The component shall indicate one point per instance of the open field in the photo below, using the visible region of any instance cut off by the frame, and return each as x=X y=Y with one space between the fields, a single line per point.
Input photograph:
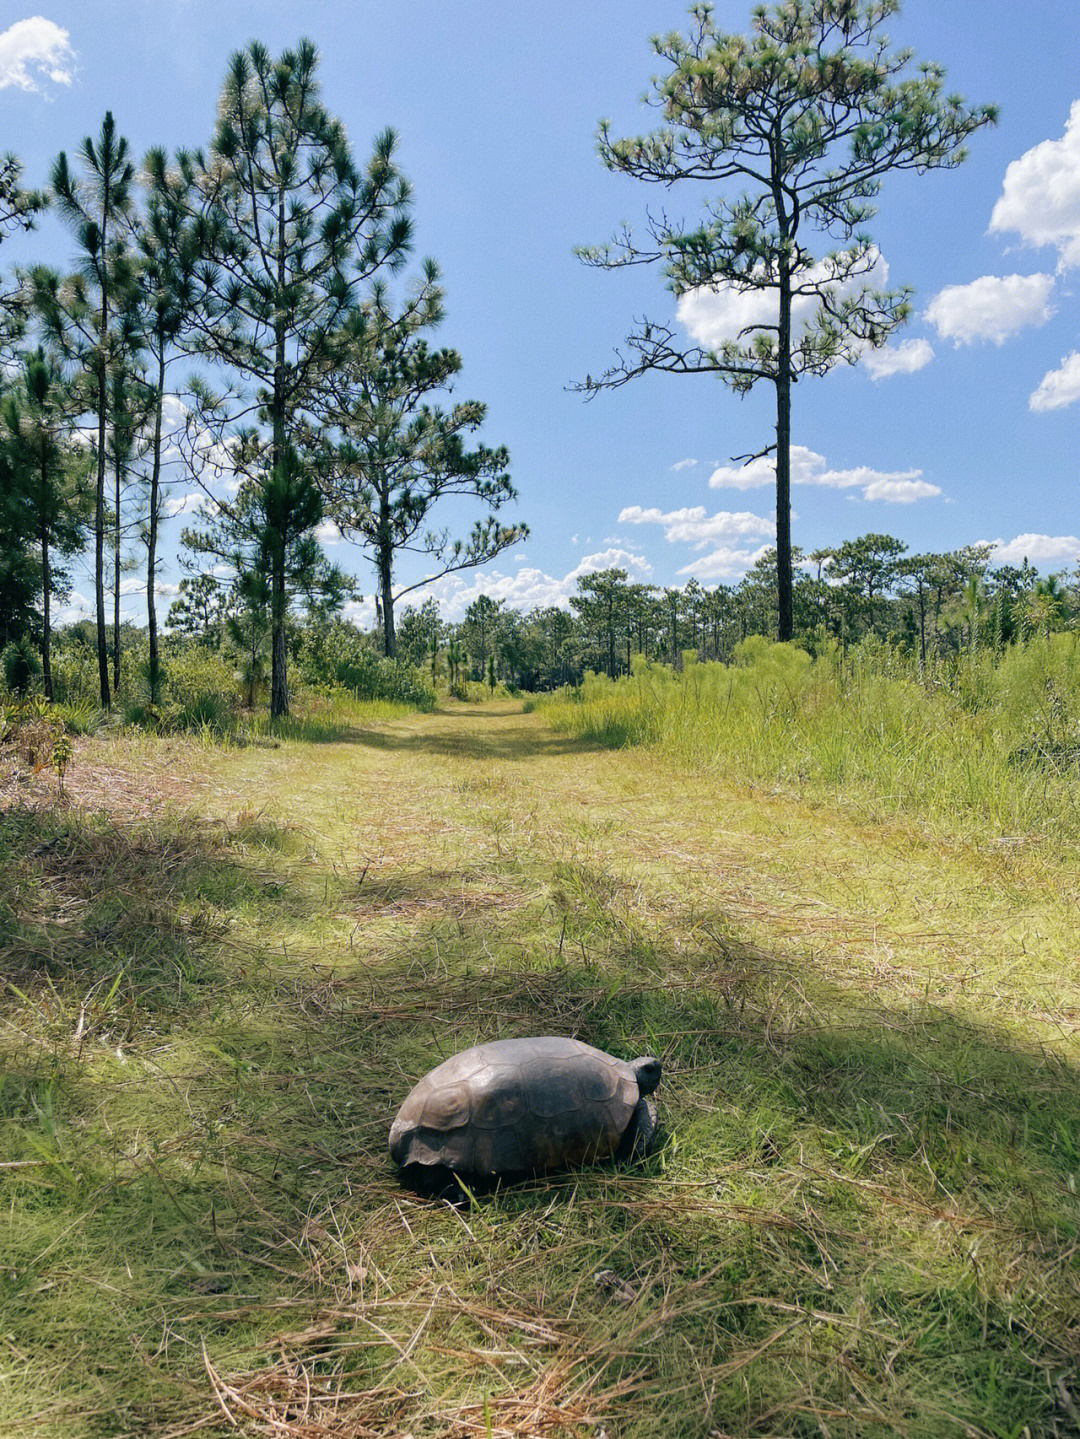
x=224 y=967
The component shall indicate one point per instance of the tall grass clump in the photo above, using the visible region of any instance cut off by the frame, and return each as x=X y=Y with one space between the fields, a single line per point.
x=988 y=747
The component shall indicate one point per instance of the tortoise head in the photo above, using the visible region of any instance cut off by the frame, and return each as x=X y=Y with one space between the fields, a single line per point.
x=647 y=1071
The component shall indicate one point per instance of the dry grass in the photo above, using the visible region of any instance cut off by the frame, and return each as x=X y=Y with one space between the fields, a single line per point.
x=225 y=967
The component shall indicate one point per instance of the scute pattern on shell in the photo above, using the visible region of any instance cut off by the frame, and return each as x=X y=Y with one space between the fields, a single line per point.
x=517 y=1106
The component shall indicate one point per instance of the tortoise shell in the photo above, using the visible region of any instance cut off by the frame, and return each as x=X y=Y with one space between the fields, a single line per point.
x=519 y=1106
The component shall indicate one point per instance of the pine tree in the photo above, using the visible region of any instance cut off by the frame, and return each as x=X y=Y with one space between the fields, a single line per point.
x=797 y=126
x=169 y=254
x=290 y=230
x=79 y=312
x=401 y=455
x=47 y=480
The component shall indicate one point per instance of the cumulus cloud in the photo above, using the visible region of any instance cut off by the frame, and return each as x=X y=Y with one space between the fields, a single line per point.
x=1036 y=549
x=193 y=503
x=1040 y=197
x=725 y=563
x=902 y=359
x=529 y=587
x=1059 y=387
x=898 y=490
x=684 y=465
x=33 y=51
x=327 y=533
x=809 y=468
x=78 y=607
x=712 y=316
x=994 y=307
x=695 y=526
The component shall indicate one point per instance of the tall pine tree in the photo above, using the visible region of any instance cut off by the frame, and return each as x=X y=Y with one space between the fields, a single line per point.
x=289 y=229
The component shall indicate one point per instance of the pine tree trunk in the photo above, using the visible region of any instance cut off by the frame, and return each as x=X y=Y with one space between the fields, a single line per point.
x=279 y=683
x=99 y=510
x=46 y=578
x=154 y=670
x=116 y=564
x=386 y=576
x=785 y=615
x=389 y=633
x=46 y=635
x=279 y=686
x=99 y=558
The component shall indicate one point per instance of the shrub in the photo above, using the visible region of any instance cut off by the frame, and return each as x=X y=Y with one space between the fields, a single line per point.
x=338 y=655
x=199 y=691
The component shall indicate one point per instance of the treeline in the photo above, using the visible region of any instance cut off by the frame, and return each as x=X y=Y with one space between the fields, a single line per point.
x=933 y=606
x=275 y=263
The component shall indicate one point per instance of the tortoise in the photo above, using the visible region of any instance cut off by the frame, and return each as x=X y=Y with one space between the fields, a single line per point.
x=514 y=1107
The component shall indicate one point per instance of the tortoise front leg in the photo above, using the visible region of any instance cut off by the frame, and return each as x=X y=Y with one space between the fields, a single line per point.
x=641 y=1132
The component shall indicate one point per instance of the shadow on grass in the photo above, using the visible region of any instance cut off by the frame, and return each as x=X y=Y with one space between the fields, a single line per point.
x=497 y=736
x=866 y=1216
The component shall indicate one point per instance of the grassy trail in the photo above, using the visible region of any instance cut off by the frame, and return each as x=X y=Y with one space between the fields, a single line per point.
x=864 y=1220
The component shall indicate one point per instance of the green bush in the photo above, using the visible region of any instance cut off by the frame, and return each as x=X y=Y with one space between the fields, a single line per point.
x=337 y=655
x=199 y=692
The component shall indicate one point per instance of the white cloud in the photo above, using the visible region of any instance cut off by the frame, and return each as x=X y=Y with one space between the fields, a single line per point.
x=754 y=476
x=327 y=533
x=1059 y=387
x=78 y=607
x=902 y=359
x=714 y=315
x=809 y=468
x=35 y=50
x=193 y=503
x=994 y=307
x=1040 y=197
x=529 y=587
x=684 y=465
x=696 y=526
x=900 y=491
x=1036 y=549
x=725 y=563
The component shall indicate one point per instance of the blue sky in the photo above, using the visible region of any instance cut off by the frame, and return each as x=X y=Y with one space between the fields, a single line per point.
x=973 y=437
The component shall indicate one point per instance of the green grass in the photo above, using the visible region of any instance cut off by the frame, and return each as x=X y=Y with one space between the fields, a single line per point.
x=985 y=749
x=863 y=1219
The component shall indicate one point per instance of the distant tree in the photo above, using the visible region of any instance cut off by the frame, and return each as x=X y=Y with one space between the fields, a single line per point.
x=169 y=253
x=401 y=455
x=672 y=607
x=198 y=609
x=79 y=312
x=599 y=603
x=130 y=403
x=417 y=630
x=1047 y=606
x=868 y=569
x=554 y=630
x=478 y=631
x=809 y=115
x=916 y=575
x=248 y=628
x=244 y=534
x=47 y=477
x=455 y=659
x=290 y=229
